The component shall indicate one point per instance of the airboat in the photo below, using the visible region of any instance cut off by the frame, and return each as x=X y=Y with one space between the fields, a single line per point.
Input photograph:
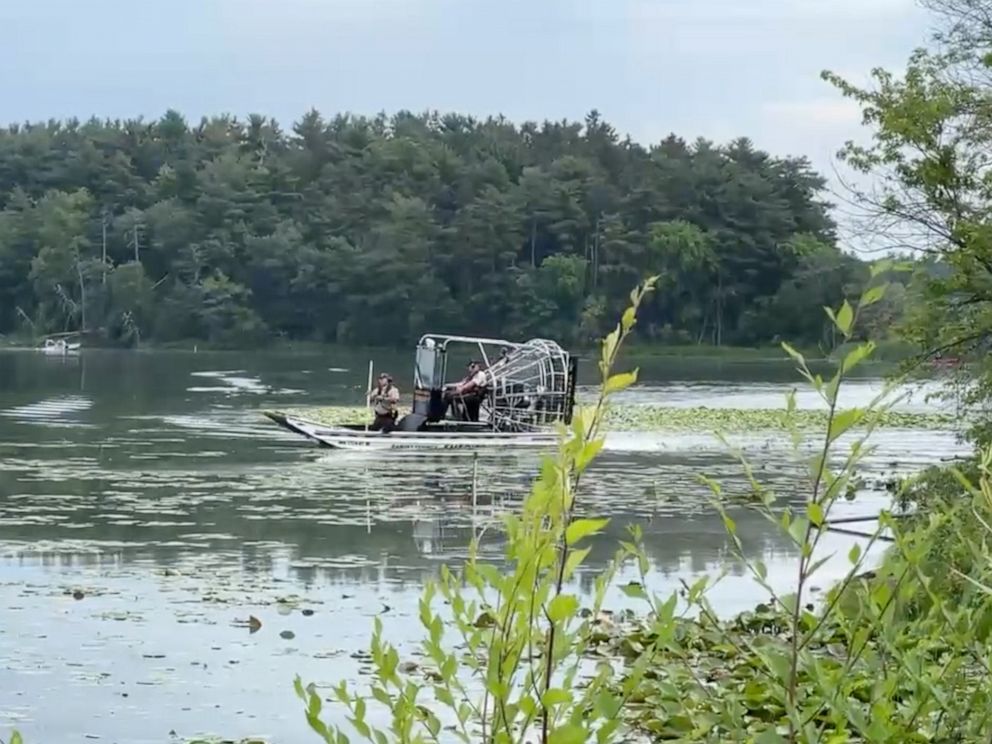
x=530 y=388
x=60 y=346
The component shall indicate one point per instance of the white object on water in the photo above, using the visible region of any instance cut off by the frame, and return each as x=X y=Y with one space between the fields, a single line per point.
x=59 y=346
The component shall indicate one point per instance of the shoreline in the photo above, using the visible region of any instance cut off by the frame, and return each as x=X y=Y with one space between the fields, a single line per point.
x=717 y=354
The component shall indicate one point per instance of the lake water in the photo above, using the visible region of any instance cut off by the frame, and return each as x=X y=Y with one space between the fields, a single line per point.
x=147 y=509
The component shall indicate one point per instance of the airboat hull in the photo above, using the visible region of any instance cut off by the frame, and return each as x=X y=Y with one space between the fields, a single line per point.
x=355 y=438
x=59 y=348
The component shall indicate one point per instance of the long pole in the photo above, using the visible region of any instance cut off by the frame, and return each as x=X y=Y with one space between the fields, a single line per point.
x=103 y=267
x=368 y=396
x=475 y=483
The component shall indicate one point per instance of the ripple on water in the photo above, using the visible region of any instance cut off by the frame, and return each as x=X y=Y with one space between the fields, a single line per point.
x=58 y=411
x=53 y=407
x=236 y=382
x=181 y=517
x=226 y=425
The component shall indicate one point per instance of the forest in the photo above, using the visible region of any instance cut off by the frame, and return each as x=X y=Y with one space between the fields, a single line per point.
x=374 y=230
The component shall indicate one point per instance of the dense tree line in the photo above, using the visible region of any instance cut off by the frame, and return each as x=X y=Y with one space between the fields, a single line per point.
x=375 y=230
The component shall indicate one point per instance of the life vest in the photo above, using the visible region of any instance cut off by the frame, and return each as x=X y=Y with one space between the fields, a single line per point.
x=383 y=406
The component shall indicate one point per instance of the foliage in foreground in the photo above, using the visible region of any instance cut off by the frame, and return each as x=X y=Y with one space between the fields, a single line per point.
x=889 y=656
x=899 y=654
x=513 y=673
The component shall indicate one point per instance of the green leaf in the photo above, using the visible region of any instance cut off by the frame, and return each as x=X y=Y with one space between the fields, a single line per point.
x=313 y=715
x=815 y=512
x=799 y=358
x=797 y=530
x=527 y=705
x=777 y=662
x=563 y=607
x=489 y=573
x=844 y=420
x=854 y=555
x=570 y=733
x=817 y=565
x=444 y=696
x=609 y=347
x=729 y=524
x=873 y=295
x=621 y=381
x=877 y=267
x=628 y=319
x=769 y=736
x=298 y=686
x=635 y=590
x=450 y=667
x=845 y=318
x=607 y=705
x=589 y=452
x=575 y=559
x=857 y=355
x=555 y=696
x=581 y=528
x=15 y=738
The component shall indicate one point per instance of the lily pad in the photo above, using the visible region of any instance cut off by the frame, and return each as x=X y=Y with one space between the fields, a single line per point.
x=649 y=418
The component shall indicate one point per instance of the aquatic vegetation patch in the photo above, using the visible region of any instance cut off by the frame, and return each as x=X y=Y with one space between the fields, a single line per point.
x=696 y=419
x=722 y=680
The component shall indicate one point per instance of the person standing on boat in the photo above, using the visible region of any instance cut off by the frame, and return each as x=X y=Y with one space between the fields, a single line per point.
x=385 y=398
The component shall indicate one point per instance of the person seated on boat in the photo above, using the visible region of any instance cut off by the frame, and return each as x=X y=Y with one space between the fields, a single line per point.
x=504 y=359
x=470 y=391
x=385 y=398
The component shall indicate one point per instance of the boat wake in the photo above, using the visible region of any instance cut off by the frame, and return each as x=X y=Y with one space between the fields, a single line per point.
x=57 y=411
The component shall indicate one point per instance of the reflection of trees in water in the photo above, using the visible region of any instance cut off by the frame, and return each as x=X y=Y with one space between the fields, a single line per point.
x=674 y=545
x=348 y=518
x=695 y=544
x=339 y=521
x=167 y=490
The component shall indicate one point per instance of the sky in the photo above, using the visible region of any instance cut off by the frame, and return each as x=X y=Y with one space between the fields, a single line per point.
x=713 y=68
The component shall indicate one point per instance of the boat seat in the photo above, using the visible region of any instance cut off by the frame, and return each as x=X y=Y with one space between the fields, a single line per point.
x=467 y=408
x=411 y=422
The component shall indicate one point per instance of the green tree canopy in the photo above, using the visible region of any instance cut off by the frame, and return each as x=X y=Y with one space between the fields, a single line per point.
x=930 y=160
x=378 y=229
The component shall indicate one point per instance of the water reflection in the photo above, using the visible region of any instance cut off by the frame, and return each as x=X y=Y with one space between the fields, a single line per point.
x=146 y=508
